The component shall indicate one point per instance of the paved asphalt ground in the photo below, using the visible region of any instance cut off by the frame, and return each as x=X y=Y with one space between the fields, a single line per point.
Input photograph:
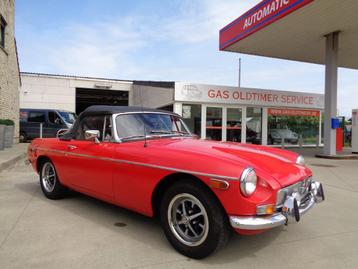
x=81 y=232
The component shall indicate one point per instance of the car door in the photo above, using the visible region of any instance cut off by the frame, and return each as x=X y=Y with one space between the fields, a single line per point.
x=89 y=164
x=53 y=124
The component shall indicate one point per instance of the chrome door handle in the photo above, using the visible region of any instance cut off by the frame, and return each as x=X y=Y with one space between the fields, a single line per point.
x=71 y=147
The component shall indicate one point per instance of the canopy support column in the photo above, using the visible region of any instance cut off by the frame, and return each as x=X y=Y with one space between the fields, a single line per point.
x=330 y=95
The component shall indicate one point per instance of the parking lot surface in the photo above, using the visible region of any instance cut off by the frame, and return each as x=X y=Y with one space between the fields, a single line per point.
x=81 y=232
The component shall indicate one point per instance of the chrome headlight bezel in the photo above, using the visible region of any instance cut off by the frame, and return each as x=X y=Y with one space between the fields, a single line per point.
x=300 y=160
x=248 y=181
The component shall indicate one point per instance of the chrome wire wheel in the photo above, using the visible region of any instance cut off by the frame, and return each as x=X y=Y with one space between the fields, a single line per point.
x=188 y=219
x=48 y=176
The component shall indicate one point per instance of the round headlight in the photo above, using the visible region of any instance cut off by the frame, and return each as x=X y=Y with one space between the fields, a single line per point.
x=248 y=181
x=300 y=160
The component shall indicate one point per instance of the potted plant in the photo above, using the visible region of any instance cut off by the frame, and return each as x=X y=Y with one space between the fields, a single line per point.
x=9 y=132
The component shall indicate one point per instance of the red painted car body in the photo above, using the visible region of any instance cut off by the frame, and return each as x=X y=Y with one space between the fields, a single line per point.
x=128 y=174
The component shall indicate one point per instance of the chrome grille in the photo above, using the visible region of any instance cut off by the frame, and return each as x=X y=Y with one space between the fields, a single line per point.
x=302 y=188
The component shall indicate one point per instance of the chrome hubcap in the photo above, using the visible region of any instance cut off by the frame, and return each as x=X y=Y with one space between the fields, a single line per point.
x=48 y=177
x=188 y=219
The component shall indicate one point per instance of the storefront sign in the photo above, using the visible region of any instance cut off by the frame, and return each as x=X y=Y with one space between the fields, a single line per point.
x=246 y=96
x=293 y=112
x=263 y=14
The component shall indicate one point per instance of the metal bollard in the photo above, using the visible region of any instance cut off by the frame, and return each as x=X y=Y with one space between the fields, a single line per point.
x=317 y=141
x=282 y=142
x=300 y=141
x=41 y=130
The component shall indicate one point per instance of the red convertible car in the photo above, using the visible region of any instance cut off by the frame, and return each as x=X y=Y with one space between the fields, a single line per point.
x=148 y=161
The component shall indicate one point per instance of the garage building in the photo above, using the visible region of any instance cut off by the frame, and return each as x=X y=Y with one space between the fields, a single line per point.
x=217 y=112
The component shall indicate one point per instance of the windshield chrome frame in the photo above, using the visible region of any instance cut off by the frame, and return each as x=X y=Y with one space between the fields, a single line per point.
x=119 y=140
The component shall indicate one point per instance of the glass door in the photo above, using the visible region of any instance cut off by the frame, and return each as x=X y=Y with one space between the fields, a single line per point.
x=214 y=124
x=254 y=125
x=233 y=124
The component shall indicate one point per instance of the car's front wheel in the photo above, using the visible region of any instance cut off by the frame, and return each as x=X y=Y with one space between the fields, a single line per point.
x=49 y=181
x=193 y=221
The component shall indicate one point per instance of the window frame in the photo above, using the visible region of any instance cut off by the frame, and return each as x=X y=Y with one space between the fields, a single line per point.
x=56 y=115
x=116 y=137
x=102 y=130
x=3 y=25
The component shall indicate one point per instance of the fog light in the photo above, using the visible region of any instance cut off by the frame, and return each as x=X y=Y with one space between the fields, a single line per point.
x=265 y=209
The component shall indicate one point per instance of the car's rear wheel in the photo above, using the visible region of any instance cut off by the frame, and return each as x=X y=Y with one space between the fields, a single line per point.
x=50 y=183
x=193 y=221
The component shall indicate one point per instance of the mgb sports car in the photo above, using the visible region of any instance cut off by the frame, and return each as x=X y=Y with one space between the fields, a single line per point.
x=148 y=161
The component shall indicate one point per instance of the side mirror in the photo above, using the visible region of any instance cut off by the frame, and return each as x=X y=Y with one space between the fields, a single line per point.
x=61 y=132
x=92 y=135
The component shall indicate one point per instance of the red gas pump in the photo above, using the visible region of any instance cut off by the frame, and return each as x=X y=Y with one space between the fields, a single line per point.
x=339 y=139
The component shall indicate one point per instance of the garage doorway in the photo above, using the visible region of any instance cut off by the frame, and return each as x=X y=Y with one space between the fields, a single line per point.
x=88 y=97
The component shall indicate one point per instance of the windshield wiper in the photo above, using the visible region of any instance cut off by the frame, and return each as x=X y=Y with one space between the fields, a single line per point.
x=167 y=132
x=160 y=132
x=132 y=137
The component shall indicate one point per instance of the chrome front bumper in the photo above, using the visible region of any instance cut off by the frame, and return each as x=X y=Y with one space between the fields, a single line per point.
x=292 y=211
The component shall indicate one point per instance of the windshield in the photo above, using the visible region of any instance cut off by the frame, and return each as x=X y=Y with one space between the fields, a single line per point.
x=133 y=126
x=68 y=117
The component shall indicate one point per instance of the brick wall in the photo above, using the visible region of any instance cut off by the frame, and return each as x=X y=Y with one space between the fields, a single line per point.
x=9 y=70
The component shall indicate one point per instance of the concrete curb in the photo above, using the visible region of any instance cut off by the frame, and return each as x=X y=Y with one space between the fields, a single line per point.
x=338 y=157
x=8 y=163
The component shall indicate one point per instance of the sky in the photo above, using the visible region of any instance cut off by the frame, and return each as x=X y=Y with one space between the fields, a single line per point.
x=173 y=40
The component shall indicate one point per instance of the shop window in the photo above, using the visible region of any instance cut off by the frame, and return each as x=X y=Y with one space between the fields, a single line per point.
x=292 y=126
x=254 y=125
x=214 y=123
x=192 y=117
x=233 y=124
x=2 y=31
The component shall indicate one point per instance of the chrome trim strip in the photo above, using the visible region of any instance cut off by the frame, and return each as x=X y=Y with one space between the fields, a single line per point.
x=140 y=164
x=257 y=223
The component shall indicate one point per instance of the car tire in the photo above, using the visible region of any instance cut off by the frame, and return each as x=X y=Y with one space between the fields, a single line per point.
x=194 y=237
x=50 y=183
x=23 y=137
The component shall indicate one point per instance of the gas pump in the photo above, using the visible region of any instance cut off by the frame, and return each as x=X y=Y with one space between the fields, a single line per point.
x=355 y=131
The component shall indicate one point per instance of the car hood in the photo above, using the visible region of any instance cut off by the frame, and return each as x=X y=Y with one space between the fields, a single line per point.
x=229 y=159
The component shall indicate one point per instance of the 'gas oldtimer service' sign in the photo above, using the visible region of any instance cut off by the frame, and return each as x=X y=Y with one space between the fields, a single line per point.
x=199 y=93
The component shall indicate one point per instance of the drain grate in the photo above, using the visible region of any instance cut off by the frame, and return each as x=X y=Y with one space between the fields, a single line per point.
x=323 y=165
x=120 y=224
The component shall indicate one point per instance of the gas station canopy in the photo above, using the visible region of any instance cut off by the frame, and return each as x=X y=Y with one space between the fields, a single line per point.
x=295 y=30
x=313 y=31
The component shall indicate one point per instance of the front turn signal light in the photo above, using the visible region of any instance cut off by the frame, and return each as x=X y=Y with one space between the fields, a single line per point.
x=265 y=209
x=218 y=184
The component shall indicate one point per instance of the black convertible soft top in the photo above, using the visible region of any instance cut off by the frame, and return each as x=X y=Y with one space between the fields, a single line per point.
x=109 y=110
